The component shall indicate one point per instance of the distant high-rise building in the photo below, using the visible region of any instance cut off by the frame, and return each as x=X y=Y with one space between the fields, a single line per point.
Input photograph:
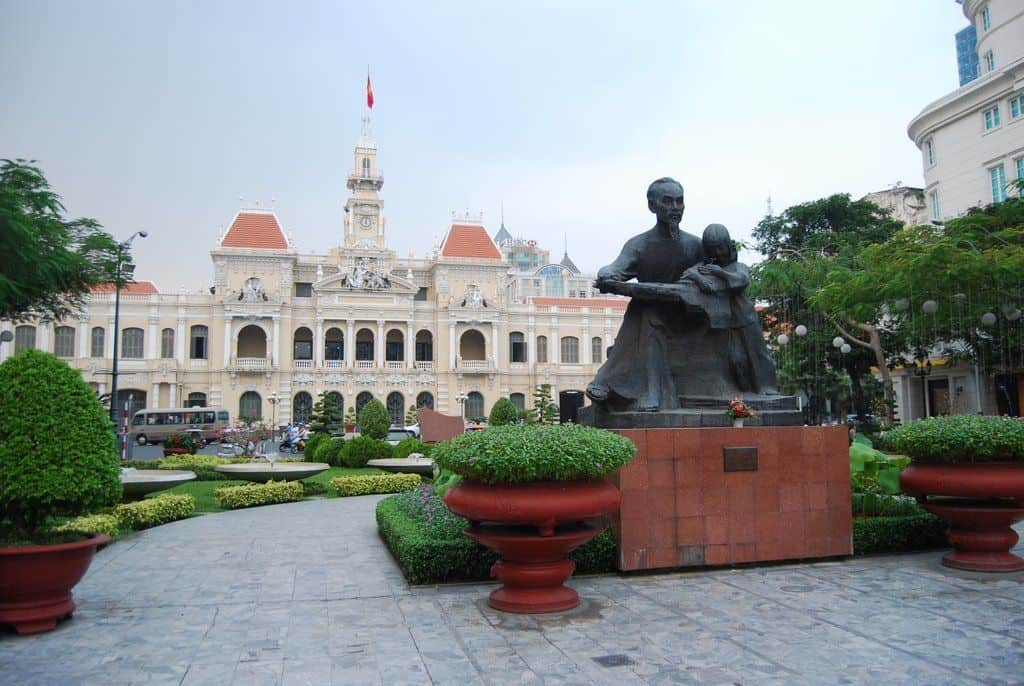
x=967 y=54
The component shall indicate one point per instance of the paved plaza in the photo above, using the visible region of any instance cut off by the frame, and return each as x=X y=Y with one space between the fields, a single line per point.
x=307 y=593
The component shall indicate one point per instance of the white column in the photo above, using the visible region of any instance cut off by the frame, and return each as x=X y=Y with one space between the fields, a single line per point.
x=154 y=399
x=495 y=346
x=172 y=395
x=83 y=339
x=109 y=342
x=6 y=349
x=380 y=343
x=227 y=342
x=44 y=337
x=531 y=352
x=350 y=345
x=276 y=359
x=180 y=341
x=554 y=346
x=152 y=344
x=585 y=354
x=318 y=343
x=451 y=345
x=410 y=346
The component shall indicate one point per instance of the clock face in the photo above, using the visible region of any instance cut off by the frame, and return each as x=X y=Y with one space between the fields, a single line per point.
x=366 y=222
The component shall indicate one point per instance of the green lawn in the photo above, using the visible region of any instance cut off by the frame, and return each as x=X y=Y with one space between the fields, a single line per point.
x=202 y=491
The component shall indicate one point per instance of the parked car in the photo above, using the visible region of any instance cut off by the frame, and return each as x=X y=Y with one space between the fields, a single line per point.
x=395 y=436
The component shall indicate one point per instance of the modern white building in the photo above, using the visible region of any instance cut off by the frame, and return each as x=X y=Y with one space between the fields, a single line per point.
x=972 y=140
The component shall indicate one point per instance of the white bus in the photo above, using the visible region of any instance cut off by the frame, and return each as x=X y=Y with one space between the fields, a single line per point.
x=153 y=426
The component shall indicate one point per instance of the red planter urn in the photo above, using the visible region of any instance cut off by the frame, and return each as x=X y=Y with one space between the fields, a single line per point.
x=980 y=502
x=533 y=526
x=36 y=582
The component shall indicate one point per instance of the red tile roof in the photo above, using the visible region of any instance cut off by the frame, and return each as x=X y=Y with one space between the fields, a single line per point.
x=615 y=303
x=252 y=229
x=133 y=288
x=469 y=240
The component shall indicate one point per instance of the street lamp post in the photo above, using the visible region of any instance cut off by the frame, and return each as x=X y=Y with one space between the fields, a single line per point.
x=273 y=416
x=122 y=249
x=923 y=370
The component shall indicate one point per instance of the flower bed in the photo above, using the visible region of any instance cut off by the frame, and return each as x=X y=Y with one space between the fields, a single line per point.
x=428 y=542
x=383 y=483
x=251 y=495
x=154 y=511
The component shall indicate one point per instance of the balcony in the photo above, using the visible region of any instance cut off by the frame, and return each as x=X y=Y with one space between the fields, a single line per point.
x=394 y=364
x=365 y=364
x=423 y=364
x=334 y=364
x=472 y=365
x=303 y=364
x=198 y=364
x=251 y=364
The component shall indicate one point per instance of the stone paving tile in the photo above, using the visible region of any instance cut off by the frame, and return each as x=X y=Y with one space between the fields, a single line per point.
x=307 y=594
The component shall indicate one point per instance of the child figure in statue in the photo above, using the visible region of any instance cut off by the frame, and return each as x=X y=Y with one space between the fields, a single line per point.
x=723 y=283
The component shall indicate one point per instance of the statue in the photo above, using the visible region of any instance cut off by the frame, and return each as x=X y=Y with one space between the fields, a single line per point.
x=252 y=291
x=690 y=337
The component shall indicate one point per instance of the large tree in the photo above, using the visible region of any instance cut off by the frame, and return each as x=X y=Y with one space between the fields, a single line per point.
x=47 y=261
x=803 y=246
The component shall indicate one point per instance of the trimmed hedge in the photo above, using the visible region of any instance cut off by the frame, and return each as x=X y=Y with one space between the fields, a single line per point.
x=92 y=524
x=362 y=449
x=251 y=495
x=960 y=438
x=408 y=446
x=330 y=451
x=540 y=452
x=381 y=483
x=874 y=504
x=143 y=514
x=313 y=442
x=427 y=541
x=191 y=461
x=898 y=534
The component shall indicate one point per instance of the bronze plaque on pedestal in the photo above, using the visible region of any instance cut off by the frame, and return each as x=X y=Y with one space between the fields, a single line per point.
x=739 y=459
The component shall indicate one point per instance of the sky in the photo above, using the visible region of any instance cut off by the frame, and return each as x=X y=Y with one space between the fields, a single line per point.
x=169 y=117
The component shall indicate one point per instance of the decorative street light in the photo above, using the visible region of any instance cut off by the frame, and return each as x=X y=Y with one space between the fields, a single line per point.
x=922 y=370
x=273 y=415
x=122 y=250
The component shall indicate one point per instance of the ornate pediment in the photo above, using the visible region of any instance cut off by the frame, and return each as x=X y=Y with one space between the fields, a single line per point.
x=367 y=278
x=251 y=295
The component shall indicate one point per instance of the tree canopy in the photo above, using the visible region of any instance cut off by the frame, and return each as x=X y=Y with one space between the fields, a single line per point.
x=47 y=262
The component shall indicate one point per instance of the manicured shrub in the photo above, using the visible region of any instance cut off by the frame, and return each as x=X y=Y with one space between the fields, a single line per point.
x=543 y=452
x=881 y=505
x=408 y=446
x=428 y=542
x=898 y=534
x=251 y=495
x=503 y=413
x=56 y=444
x=191 y=461
x=960 y=438
x=313 y=442
x=162 y=509
x=374 y=420
x=330 y=451
x=186 y=442
x=92 y=524
x=380 y=483
x=313 y=487
x=362 y=449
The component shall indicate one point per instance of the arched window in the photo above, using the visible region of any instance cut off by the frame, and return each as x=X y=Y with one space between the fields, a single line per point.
x=519 y=400
x=302 y=344
x=196 y=400
x=250 y=406
x=302 y=406
x=475 y=406
x=516 y=347
x=252 y=342
x=424 y=346
x=362 y=399
x=334 y=344
x=197 y=347
x=472 y=346
x=24 y=338
x=570 y=350
x=596 y=346
x=64 y=341
x=394 y=346
x=364 y=345
x=167 y=344
x=426 y=400
x=542 y=349
x=396 y=408
x=98 y=341
x=132 y=344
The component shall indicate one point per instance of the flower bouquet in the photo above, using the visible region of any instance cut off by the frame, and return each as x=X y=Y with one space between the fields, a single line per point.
x=738 y=411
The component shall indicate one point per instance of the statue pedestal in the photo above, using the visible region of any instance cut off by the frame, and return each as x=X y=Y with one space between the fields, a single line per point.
x=719 y=496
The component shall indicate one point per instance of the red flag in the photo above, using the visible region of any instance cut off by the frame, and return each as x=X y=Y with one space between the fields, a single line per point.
x=369 y=92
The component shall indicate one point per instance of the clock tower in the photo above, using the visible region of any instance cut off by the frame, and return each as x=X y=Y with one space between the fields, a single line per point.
x=364 y=216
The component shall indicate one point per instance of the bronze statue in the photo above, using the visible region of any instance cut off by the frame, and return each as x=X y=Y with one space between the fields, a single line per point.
x=690 y=337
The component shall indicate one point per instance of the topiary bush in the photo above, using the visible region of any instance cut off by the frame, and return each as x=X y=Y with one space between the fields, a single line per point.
x=408 y=446
x=313 y=441
x=541 y=452
x=379 y=483
x=503 y=413
x=251 y=495
x=374 y=420
x=960 y=438
x=330 y=451
x=154 y=511
x=57 y=452
x=362 y=449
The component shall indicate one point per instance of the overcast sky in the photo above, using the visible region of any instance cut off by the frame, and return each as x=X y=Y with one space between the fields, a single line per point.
x=160 y=115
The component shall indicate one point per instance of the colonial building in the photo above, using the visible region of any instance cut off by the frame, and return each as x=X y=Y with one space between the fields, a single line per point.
x=454 y=331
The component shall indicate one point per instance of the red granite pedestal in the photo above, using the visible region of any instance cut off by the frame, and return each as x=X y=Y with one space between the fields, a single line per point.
x=682 y=508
